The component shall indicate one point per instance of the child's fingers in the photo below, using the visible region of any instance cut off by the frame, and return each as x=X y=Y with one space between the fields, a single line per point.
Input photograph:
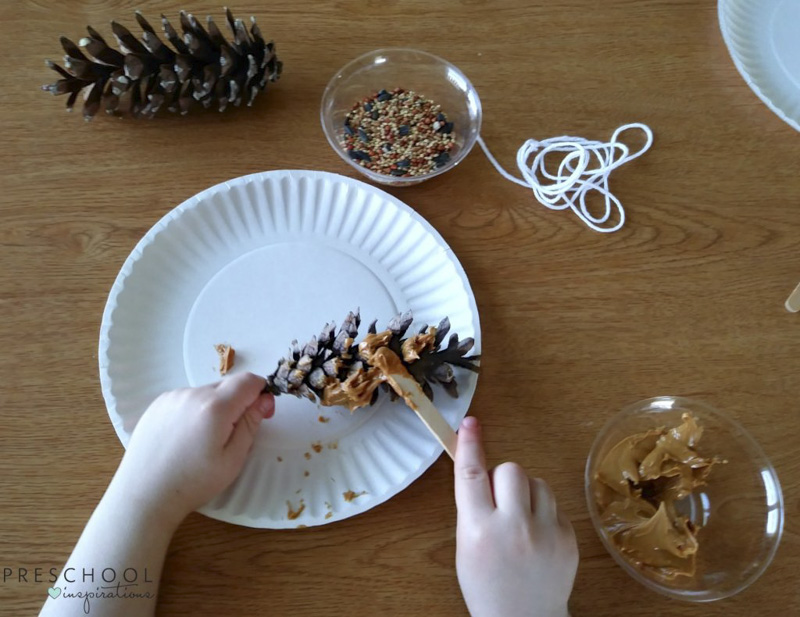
x=564 y=522
x=543 y=502
x=473 y=490
x=512 y=489
x=237 y=393
x=266 y=404
x=245 y=431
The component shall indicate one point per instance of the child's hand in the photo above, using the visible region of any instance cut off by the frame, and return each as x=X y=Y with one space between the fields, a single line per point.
x=190 y=445
x=516 y=554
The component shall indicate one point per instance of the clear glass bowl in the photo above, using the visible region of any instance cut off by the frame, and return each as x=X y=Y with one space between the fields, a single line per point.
x=740 y=511
x=409 y=69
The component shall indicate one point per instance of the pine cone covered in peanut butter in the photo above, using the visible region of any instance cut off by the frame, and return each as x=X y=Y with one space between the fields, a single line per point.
x=332 y=369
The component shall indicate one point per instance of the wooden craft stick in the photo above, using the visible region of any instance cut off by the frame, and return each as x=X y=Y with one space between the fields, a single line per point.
x=407 y=387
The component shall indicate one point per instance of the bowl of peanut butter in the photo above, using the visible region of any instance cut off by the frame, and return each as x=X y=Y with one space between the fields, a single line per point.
x=684 y=499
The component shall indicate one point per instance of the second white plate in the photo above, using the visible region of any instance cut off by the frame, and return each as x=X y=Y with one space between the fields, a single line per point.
x=257 y=262
x=763 y=38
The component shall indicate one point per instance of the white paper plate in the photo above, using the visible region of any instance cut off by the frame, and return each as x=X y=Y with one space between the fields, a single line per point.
x=763 y=37
x=259 y=261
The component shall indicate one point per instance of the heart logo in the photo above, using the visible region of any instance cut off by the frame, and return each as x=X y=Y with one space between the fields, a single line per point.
x=54 y=592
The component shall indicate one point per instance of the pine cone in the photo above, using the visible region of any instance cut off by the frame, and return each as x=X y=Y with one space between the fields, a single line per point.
x=334 y=359
x=146 y=75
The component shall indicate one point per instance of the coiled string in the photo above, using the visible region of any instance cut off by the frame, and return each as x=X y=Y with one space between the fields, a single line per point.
x=575 y=179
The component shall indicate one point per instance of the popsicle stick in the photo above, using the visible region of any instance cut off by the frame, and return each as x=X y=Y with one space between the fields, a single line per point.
x=793 y=301
x=401 y=381
x=408 y=388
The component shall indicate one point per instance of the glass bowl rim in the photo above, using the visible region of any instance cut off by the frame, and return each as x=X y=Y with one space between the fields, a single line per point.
x=594 y=515
x=400 y=180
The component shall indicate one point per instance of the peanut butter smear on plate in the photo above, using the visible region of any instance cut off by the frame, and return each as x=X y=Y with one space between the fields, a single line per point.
x=637 y=485
x=227 y=357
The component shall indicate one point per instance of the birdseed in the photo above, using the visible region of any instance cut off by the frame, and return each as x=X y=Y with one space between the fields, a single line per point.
x=398 y=133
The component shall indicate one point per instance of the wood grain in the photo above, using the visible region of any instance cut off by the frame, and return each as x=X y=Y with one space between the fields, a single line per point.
x=686 y=299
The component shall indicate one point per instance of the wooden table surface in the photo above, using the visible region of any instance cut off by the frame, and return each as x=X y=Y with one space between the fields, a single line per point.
x=686 y=299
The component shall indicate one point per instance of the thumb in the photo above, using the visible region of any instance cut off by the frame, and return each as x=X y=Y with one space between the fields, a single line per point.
x=246 y=428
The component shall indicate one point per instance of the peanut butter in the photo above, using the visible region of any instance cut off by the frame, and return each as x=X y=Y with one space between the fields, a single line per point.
x=357 y=390
x=373 y=342
x=292 y=513
x=388 y=362
x=227 y=356
x=393 y=369
x=413 y=346
x=637 y=485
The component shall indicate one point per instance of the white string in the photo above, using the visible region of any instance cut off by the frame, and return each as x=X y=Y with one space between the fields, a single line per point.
x=575 y=178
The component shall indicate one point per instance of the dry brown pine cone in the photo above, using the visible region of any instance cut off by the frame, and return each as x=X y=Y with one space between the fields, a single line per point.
x=333 y=355
x=146 y=75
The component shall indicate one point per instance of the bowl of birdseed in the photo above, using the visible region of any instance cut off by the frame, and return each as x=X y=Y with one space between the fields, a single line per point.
x=400 y=116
